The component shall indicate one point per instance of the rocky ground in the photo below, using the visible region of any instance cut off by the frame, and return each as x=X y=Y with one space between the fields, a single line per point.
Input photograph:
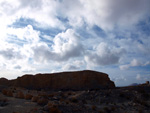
x=118 y=100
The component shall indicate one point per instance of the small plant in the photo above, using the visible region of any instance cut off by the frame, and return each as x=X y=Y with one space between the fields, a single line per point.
x=54 y=109
x=144 y=103
x=9 y=93
x=50 y=104
x=35 y=99
x=62 y=100
x=42 y=101
x=106 y=109
x=44 y=95
x=51 y=95
x=140 y=111
x=84 y=101
x=101 y=111
x=94 y=107
x=74 y=100
x=20 y=95
x=142 y=91
x=146 y=96
x=4 y=92
x=113 y=108
x=69 y=93
x=28 y=96
x=121 y=95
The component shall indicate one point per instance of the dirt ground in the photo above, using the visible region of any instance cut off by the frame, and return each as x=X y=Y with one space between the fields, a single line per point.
x=15 y=105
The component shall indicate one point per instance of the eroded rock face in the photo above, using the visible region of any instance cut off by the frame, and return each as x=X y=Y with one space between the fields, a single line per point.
x=4 y=81
x=78 y=80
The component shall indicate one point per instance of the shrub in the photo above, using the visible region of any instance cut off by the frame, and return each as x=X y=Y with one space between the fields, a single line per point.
x=28 y=96
x=20 y=95
x=121 y=95
x=69 y=93
x=146 y=96
x=140 y=111
x=50 y=104
x=141 y=91
x=113 y=108
x=84 y=101
x=144 y=103
x=4 y=92
x=51 y=95
x=9 y=93
x=93 y=107
x=101 y=111
x=35 y=99
x=54 y=109
x=74 y=100
x=106 y=109
x=42 y=101
x=44 y=95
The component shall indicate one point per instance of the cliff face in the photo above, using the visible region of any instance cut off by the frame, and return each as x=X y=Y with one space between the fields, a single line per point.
x=66 y=80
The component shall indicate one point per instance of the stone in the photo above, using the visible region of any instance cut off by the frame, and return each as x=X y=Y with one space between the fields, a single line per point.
x=78 y=80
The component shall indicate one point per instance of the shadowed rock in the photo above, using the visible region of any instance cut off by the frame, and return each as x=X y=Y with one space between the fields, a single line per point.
x=79 y=80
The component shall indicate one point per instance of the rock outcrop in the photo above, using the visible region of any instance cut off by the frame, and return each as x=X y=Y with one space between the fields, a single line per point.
x=4 y=81
x=79 y=80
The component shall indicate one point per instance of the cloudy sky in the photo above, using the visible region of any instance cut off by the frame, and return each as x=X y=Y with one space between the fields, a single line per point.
x=43 y=36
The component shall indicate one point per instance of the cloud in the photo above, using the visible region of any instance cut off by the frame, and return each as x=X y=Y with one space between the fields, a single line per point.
x=138 y=77
x=26 y=34
x=142 y=78
x=144 y=47
x=70 y=67
x=9 y=54
x=133 y=63
x=104 y=55
x=75 y=65
x=65 y=45
x=107 y=14
x=37 y=10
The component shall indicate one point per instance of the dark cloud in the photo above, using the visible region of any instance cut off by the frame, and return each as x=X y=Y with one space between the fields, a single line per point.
x=10 y=54
x=104 y=55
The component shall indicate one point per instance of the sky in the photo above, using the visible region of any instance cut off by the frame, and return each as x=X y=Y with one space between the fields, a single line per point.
x=46 y=36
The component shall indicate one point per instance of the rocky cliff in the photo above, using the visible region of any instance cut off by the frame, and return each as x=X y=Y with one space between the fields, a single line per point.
x=78 y=80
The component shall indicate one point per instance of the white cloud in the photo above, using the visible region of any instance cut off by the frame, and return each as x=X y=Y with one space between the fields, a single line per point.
x=15 y=50
x=9 y=54
x=44 y=12
x=104 y=13
x=107 y=14
x=72 y=66
x=104 y=55
x=138 y=77
x=133 y=63
x=124 y=67
x=147 y=63
x=25 y=34
x=66 y=45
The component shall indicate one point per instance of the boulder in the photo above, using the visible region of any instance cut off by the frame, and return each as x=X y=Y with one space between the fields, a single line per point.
x=79 y=80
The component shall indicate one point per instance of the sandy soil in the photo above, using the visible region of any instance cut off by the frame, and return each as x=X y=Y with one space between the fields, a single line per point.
x=15 y=105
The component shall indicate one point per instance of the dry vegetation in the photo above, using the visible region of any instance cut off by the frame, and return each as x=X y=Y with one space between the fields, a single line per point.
x=122 y=100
